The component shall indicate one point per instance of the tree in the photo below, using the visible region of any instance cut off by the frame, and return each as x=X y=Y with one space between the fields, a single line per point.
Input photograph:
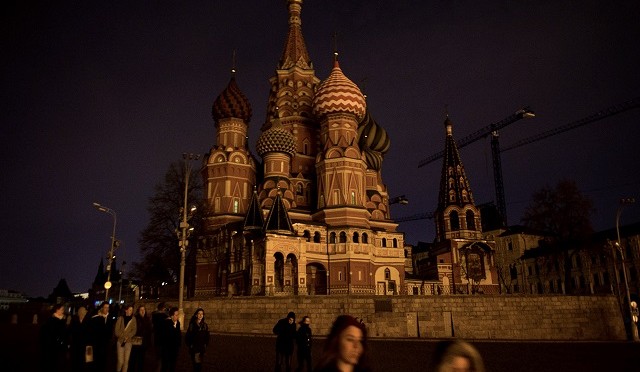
x=565 y=213
x=159 y=241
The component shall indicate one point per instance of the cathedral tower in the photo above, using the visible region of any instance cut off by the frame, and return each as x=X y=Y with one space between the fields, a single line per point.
x=290 y=98
x=340 y=166
x=457 y=215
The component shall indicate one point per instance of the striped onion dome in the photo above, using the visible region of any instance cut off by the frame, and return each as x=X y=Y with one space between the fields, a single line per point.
x=231 y=103
x=276 y=139
x=338 y=94
x=373 y=140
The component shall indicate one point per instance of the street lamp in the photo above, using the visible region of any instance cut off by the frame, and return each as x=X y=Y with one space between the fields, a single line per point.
x=624 y=202
x=185 y=230
x=107 y=284
x=399 y=200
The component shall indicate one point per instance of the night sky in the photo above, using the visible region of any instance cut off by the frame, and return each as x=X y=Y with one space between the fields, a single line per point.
x=99 y=98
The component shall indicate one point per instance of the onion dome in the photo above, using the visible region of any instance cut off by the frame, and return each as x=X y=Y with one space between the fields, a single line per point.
x=373 y=141
x=276 y=139
x=338 y=94
x=231 y=103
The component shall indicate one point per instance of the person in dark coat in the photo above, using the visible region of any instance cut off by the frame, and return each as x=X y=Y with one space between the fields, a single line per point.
x=285 y=329
x=158 y=318
x=303 y=341
x=171 y=340
x=100 y=336
x=197 y=339
x=79 y=334
x=144 y=329
x=54 y=341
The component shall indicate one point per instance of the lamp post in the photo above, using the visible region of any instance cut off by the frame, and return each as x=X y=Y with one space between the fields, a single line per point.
x=624 y=202
x=110 y=211
x=402 y=200
x=185 y=230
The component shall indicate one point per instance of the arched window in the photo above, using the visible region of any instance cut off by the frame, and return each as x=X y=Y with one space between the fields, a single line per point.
x=279 y=270
x=395 y=243
x=452 y=196
x=299 y=189
x=307 y=235
x=454 y=220
x=236 y=205
x=471 y=221
x=316 y=237
x=343 y=237
x=384 y=242
x=356 y=237
x=387 y=274
x=332 y=238
x=365 y=238
x=353 y=197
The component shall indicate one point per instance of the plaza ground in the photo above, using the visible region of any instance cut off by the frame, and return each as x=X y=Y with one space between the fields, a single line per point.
x=19 y=352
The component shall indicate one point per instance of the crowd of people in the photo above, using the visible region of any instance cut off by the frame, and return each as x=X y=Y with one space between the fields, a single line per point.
x=86 y=342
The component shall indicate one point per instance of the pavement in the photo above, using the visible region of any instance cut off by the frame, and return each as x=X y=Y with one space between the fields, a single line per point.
x=247 y=353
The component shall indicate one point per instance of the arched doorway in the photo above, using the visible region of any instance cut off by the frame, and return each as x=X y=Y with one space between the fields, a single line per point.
x=286 y=274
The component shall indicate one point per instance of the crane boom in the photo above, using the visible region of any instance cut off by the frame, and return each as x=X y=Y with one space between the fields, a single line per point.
x=609 y=111
x=481 y=133
x=417 y=216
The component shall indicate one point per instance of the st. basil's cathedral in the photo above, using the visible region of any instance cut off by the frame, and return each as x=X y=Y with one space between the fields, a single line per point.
x=311 y=215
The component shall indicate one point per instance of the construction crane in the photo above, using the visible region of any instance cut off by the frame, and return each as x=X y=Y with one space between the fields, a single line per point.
x=492 y=130
x=609 y=111
x=496 y=151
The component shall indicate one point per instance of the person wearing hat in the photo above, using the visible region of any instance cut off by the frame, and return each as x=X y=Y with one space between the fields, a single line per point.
x=285 y=329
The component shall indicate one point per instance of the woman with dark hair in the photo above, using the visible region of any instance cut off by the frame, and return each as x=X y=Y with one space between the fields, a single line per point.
x=53 y=341
x=345 y=349
x=144 y=328
x=197 y=338
x=79 y=333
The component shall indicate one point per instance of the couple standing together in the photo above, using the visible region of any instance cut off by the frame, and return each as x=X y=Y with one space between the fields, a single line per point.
x=288 y=335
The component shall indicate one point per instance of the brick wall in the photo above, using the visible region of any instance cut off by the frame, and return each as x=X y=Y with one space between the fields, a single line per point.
x=470 y=317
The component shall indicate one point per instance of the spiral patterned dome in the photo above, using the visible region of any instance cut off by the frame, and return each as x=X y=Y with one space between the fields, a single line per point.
x=276 y=139
x=373 y=141
x=338 y=94
x=231 y=103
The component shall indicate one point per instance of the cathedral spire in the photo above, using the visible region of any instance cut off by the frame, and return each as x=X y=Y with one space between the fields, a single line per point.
x=295 y=51
x=454 y=184
x=254 y=219
x=278 y=220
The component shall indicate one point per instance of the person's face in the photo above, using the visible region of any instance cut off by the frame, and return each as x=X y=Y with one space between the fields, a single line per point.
x=350 y=345
x=128 y=311
x=59 y=311
x=460 y=364
x=142 y=311
x=290 y=320
x=200 y=315
x=105 y=309
x=307 y=321
x=175 y=315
